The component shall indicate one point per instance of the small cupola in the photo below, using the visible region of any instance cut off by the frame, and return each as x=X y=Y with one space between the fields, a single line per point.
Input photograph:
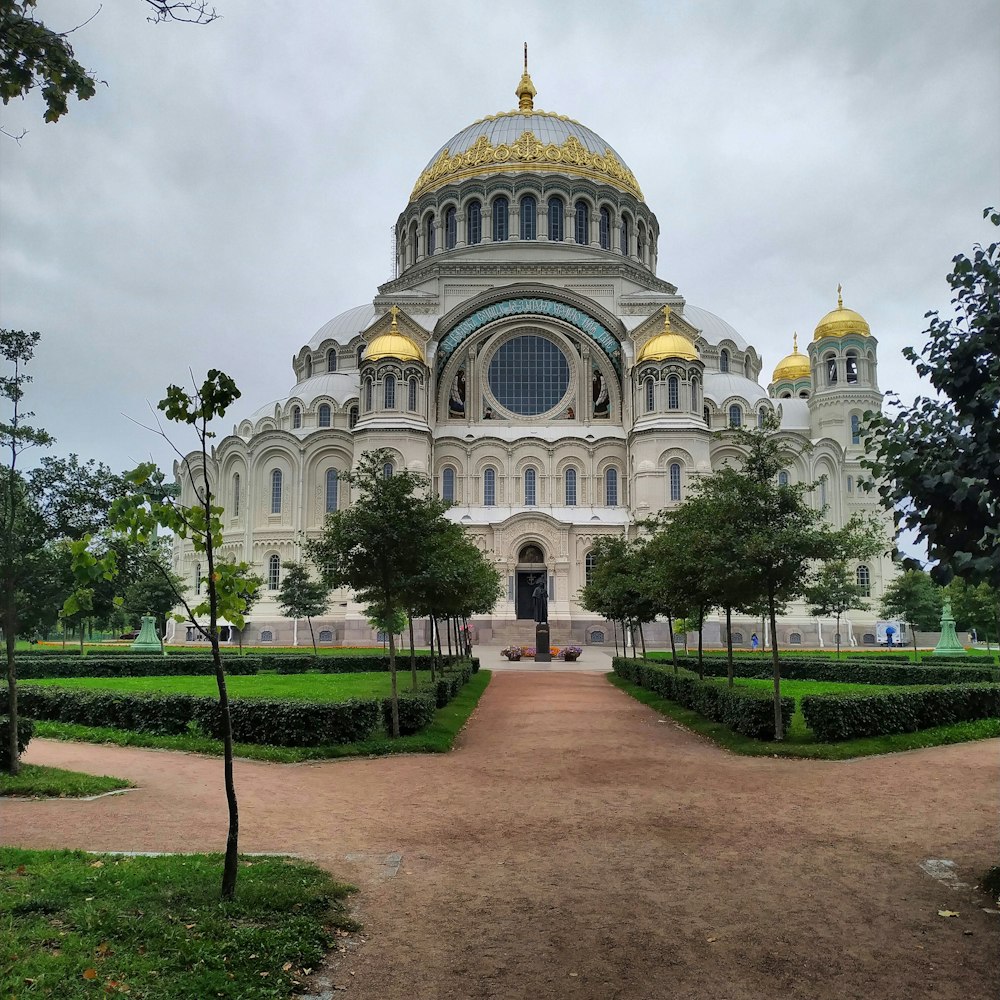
x=393 y=344
x=667 y=344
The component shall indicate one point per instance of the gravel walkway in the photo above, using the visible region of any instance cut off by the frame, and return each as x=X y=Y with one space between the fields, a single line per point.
x=577 y=845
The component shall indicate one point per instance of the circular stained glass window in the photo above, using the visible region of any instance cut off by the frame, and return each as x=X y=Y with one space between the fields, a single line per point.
x=529 y=375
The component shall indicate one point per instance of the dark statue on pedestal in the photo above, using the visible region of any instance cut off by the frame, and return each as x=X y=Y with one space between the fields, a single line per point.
x=540 y=607
x=540 y=601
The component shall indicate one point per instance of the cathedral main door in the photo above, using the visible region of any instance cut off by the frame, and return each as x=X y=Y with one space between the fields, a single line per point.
x=530 y=571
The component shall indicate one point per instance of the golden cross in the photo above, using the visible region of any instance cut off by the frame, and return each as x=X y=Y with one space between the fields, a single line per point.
x=394 y=312
x=666 y=317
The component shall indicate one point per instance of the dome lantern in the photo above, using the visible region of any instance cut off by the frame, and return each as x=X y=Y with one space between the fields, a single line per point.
x=525 y=92
x=793 y=366
x=393 y=344
x=840 y=321
x=667 y=344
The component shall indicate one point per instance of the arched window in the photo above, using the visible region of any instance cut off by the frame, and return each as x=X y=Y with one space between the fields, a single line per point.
x=611 y=487
x=782 y=478
x=530 y=482
x=324 y=415
x=852 y=367
x=474 y=223
x=267 y=635
x=571 y=487
x=723 y=360
x=273 y=572
x=831 y=368
x=581 y=223
x=352 y=417
x=276 y=491
x=368 y=395
x=735 y=415
x=650 y=394
x=325 y=635
x=529 y=218
x=361 y=354
x=501 y=221
x=640 y=242
x=694 y=394
x=555 y=219
x=746 y=367
x=604 y=229
x=236 y=495
x=588 y=568
x=737 y=638
x=296 y=417
x=675 y=481
x=413 y=242
x=489 y=487
x=332 y=488
x=331 y=360
x=624 y=237
x=850 y=484
x=387 y=470
x=855 y=429
x=197 y=578
x=411 y=394
x=761 y=417
x=707 y=415
x=822 y=491
x=795 y=639
x=450 y=228
x=309 y=366
x=448 y=484
x=864 y=578
x=389 y=392
x=430 y=240
x=673 y=393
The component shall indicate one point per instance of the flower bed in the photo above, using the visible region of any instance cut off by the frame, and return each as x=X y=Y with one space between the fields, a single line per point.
x=567 y=653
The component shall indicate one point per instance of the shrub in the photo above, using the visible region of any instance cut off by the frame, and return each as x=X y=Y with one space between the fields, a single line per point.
x=415 y=712
x=512 y=652
x=286 y=722
x=570 y=653
x=124 y=665
x=834 y=717
x=25 y=730
x=744 y=710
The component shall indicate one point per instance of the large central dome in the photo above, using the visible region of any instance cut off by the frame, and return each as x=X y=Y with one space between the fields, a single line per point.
x=525 y=139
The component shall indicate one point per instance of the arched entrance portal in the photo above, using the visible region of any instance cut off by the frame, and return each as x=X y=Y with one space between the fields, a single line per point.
x=530 y=571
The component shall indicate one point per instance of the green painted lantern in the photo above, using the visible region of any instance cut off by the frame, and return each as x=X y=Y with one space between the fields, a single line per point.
x=948 y=644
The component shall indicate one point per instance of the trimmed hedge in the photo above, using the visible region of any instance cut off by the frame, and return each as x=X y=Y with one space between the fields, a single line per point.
x=25 y=730
x=133 y=666
x=834 y=717
x=845 y=671
x=747 y=711
x=300 y=663
x=415 y=712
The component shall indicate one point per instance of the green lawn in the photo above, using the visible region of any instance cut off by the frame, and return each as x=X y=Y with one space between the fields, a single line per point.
x=306 y=687
x=438 y=737
x=52 y=782
x=78 y=925
x=799 y=741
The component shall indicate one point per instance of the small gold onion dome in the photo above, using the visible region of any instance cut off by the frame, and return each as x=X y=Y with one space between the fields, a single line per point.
x=840 y=322
x=793 y=366
x=525 y=92
x=667 y=344
x=393 y=344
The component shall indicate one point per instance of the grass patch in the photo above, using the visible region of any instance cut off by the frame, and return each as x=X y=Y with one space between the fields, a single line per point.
x=799 y=742
x=75 y=925
x=37 y=781
x=438 y=737
x=302 y=687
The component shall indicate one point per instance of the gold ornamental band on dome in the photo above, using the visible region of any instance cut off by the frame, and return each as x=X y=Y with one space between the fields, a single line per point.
x=527 y=152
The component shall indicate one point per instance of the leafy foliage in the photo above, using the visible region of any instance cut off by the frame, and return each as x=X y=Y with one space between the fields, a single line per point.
x=834 y=590
x=301 y=596
x=915 y=598
x=25 y=730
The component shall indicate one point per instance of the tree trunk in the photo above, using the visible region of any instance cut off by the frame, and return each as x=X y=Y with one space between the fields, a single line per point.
x=729 y=645
x=312 y=635
x=673 y=643
x=913 y=636
x=413 y=655
x=614 y=629
x=395 y=694
x=10 y=639
x=448 y=630
x=838 y=635
x=642 y=639
x=701 y=644
x=437 y=632
x=779 y=729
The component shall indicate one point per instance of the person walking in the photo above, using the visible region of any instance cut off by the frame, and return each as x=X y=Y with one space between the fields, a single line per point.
x=754 y=642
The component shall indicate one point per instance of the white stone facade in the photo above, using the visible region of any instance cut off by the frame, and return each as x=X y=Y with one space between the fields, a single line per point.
x=528 y=383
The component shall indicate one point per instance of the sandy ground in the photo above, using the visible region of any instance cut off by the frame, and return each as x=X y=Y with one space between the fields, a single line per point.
x=577 y=845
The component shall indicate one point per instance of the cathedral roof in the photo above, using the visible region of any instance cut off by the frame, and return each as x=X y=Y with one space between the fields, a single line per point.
x=840 y=321
x=793 y=366
x=345 y=326
x=720 y=386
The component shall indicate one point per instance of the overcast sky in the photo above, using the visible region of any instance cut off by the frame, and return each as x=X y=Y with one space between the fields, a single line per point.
x=234 y=186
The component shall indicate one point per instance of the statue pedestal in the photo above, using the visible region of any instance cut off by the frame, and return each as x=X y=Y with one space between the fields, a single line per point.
x=948 y=644
x=542 y=645
x=147 y=641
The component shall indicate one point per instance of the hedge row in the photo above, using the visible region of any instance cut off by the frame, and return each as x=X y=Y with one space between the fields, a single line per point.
x=25 y=730
x=302 y=663
x=132 y=666
x=747 y=711
x=834 y=717
x=846 y=671
x=274 y=721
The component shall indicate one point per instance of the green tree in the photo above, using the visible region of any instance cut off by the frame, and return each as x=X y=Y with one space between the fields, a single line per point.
x=153 y=588
x=937 y=461
x=913 y=597
x=834 y=590
x=302 y=596
x=973 y=607
x=378 y=544
x=153 y=505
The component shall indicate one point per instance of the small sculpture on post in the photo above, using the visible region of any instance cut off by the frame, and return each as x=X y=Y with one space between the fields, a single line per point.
x=540 y=609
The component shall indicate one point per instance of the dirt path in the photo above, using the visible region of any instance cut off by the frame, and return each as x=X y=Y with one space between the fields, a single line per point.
x=576 y=845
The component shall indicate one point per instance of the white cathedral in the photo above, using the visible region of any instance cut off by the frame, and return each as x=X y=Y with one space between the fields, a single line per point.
x=526 y=358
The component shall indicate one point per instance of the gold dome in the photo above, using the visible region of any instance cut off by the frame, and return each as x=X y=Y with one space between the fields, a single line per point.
x=393 y=344
x=840 y=322
x=667 y=344
x=793 y=366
